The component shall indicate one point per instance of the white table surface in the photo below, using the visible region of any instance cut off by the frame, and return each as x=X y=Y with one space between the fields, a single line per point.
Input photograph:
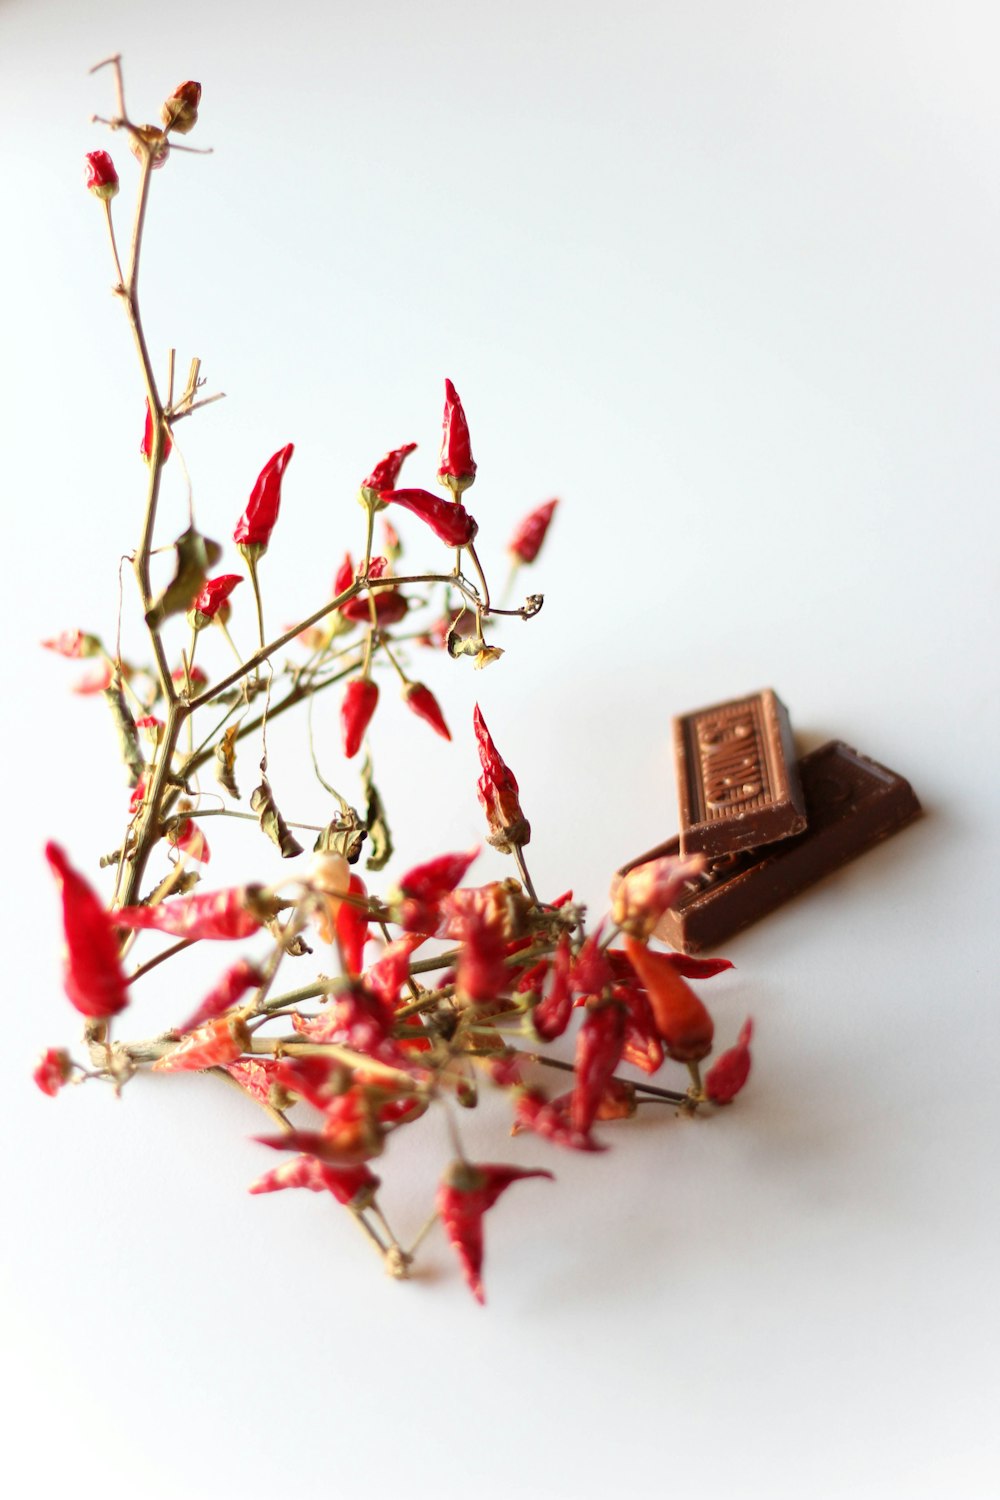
x=722 y=277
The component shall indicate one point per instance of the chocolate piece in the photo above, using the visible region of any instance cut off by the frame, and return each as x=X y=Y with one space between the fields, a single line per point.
x=737 y=781
x=852 y=804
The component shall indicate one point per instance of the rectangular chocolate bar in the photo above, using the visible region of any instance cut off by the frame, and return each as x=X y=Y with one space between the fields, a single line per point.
x=737 y=781
x=852 y=804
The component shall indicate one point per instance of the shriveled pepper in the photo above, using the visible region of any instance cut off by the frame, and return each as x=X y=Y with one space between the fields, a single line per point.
x=92 y=971
x=498 y=793
x=525 y=545
x=463 y=1197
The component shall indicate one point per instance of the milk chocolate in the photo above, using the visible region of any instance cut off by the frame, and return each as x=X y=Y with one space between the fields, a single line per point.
x=738 y=784
x=852 y=803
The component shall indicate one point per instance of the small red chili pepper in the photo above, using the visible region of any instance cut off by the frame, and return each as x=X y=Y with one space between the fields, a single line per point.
x=146 y=446
x=498 y=794
x=598 y=1052
x=731 y=1069
x=390 y=607
x=92 y=971
x=449 y=521
x=189 y=839
x=643 y=894
x=343 y=1150
x=212 y=602
x=354 y=1187
x=52 y=1071
x=482 y=973
x=344 y=576
x=387 y=976
x=102 y=179
x=550 y=1016
x=525 y=545
x=681 y=1019
x=73 y=644
x=192 y=677
x=591 y=968
x=457 y=468
x=220 y=915
x=180 y=110
x=253 y=529
x=421 y=701
x=386 y=471
x=698 y=968
x=643 y=1047
x=619 y=1100
x=218 y=1042
x=96 y=681
x=231 y=988
x=352 y=928
x=255 y=1075
x=359 y=703
x=317 y=1080
x=550 y=1119
x=438 y=877
x=463 y=1197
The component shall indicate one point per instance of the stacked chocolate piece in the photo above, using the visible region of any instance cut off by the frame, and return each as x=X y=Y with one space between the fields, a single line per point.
x=768 y=823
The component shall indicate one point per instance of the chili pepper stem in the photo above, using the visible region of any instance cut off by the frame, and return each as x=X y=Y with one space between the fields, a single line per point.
x=232 y=644
x=159 y=958
x=666 y=1096
x=525 y=877
x=698 y=1094
x=422 y=1233
x=120 y=288
x=471 y=549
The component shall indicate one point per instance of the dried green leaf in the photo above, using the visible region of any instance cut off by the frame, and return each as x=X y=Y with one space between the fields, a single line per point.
x=225 y=756
x=263 y=804
x=128 y=735
x=344 y=836
x=375 y=821
x=197 y=555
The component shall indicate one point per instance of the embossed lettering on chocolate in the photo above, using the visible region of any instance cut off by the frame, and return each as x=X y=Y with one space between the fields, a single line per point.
x=738 y=784
x=852 y=803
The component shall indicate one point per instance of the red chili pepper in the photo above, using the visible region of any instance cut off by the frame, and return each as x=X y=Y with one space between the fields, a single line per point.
x=591 y=968
x=356 y=709
x=482 y=973
x=449 y=521
x=344 y=576
x=253 y=529
x=550 y=1119
x=188 y=838
x=644 y=893
x=526 y=543
x=598 y=1052
x=698 y=968
x=731 y=1069
x=463 y=1197
x=351 y=1134
x=619 y=1100
x=354 y=1187
x=386 y=471
x=643 y=1047
x=218 y=915
x=218 y=1042
x=437 y=877
x=231 y=988
x=681 y=1019
x=390 y=539
x=255 y=1075
x=52 y=1070
x=94 y=682
x=457 y=467
x=551 y=1016
x=102 y=179
x=317 y=1080
x=498 y=794
x=180 y=110
x=390 y=608
x=73 y=644
x=92 y=971
x=421 y=701
x=146 y=446
x=192 y=677
x=213 y=598
x=352 y=929
x=387 y=976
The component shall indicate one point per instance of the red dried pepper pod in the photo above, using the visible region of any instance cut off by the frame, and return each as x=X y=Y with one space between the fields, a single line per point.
x=220 y=915
x=591 y=968
x=550 y=1016
x=681 y=1019
x=641 y=896
x=231 y=988
x=354 y=1187
x=187 y=837
x=643 y=1047
x=52 y=1071
x=218 y=1042
x=526 y=543
x=390 y=607
x=598 y=1052
x=437 y=878
x=179 y=111
x=482 y=972
x=421 y=701
x=253 y=529
x=450 y=522
x=457 y=467
x=731 y=1069
x=212 y=602
x=255 y=1075
x=498 y=794
x=344 y=576
x=357 y=706
x=146 y=446
x=96 y=681
x=92 y=972
x=387 y=976
x=102 y=179
x=189 y=679
x=352 y=928
x=73 y=644
x=385 y=474
x=550 y=1119
x=463 y=1197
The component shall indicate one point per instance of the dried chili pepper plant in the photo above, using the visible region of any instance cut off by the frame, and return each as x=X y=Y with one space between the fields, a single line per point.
x=440 y=986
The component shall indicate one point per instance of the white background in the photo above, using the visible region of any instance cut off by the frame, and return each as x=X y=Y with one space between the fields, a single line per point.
x=722 y=277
